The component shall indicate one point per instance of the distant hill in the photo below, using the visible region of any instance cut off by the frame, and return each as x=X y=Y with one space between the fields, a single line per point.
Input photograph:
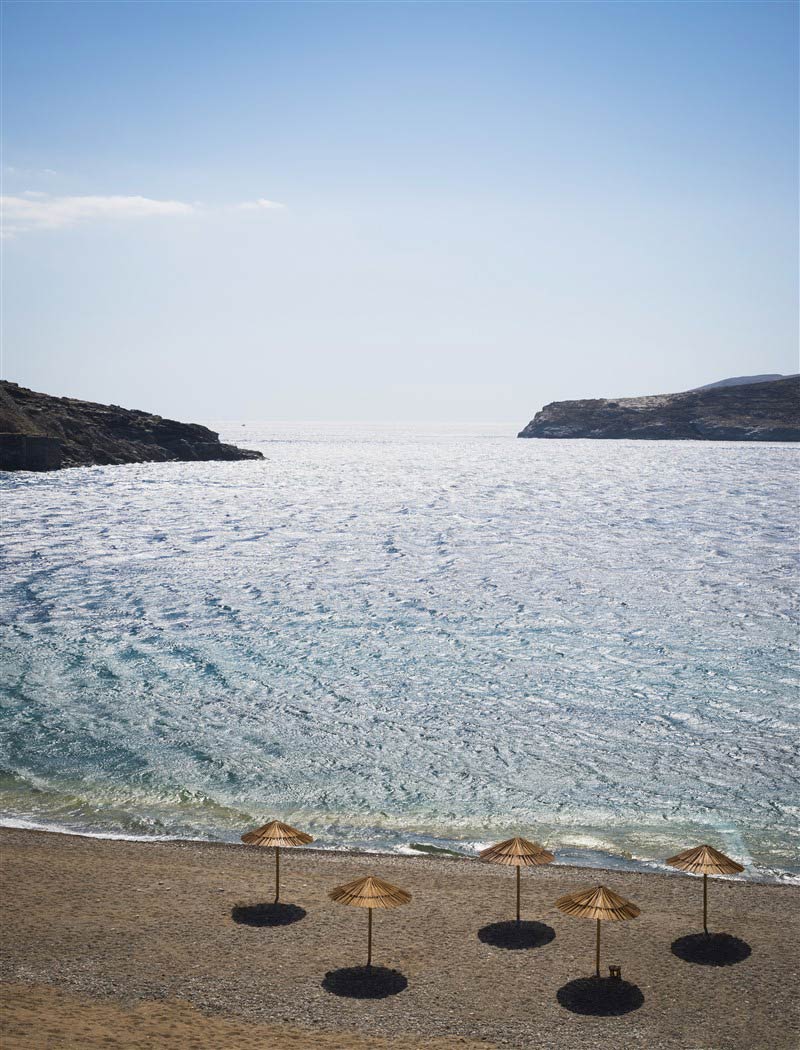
x=43 y=432
x=742 y=381
x=730 y=411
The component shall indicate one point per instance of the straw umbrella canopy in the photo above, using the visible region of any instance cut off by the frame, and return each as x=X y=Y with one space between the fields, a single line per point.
x=521 y=853
x=370 y=892
x=705 y=861
x=599 y=903
x=276 y=834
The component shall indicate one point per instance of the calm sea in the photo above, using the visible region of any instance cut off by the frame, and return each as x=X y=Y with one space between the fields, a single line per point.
x=393 y=635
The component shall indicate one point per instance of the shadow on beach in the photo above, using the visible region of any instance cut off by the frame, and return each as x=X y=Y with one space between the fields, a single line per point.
x=711 y=949
x=365 y=982
x=514 y=935
x=267 y=914
x=600 y=996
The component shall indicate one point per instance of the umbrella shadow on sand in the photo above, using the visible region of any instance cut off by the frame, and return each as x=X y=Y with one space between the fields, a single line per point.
x=273 y=914
x=600 y=996
x=516 y=935
x=712 y=949
x=365 y=982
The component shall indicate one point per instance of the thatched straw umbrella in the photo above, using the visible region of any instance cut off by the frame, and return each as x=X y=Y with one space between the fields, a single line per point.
x=277 y=834
x=705 y=861
x=518 y=852
x=370 y=892
x=598 y=903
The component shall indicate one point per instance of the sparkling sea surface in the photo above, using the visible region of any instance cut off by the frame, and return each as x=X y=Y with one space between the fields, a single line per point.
x=411 y=634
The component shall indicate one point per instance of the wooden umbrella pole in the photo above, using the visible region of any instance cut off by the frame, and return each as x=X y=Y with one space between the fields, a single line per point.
x=277 y=873
x=597 y=952
x=518 y=870
x=705 y=903
x=369 y=937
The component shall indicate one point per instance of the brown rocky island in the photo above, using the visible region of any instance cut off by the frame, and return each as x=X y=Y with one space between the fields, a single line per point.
x=733 y=410
x=42 y=432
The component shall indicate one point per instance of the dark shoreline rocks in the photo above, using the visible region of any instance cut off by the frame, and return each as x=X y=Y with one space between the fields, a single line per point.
x=43 y=432
x=767 y=411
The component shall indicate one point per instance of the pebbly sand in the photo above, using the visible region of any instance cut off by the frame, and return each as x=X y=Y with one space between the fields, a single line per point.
x=122 y=944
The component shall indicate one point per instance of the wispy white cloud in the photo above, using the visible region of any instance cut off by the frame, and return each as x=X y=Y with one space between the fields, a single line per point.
x=9 y=169
x=41 y=211
x=261 y=204
x=34 y=210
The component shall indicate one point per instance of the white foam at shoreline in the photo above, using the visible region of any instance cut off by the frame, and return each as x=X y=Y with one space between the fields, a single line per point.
x=84 y=833
x=596 y=862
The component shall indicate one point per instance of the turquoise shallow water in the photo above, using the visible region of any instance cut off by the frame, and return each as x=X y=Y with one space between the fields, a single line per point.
x=411 y=634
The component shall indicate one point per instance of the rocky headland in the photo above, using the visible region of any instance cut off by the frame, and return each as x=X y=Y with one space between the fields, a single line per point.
x=43 y=432
x=733 y=411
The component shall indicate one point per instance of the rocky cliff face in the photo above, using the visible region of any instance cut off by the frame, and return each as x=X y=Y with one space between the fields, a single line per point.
x=41 y=432
x=748 y=412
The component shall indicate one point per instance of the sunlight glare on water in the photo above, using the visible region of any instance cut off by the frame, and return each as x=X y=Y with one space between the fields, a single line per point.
x=397 y=634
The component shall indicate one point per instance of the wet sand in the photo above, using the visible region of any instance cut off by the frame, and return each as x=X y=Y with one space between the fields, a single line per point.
x=121 y=944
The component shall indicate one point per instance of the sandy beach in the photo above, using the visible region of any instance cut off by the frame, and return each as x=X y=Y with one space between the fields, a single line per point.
x=126 y=944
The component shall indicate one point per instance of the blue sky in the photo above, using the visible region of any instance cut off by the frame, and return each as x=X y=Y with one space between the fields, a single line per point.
x=430 y=211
